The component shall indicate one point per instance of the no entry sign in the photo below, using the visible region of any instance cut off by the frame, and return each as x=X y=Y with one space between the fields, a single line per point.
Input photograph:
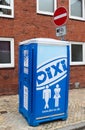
x=60 y=16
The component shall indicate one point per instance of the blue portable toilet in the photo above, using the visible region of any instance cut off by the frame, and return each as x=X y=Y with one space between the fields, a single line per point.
x=43 y=80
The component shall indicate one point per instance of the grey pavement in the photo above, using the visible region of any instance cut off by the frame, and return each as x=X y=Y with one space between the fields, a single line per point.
x=11 y=119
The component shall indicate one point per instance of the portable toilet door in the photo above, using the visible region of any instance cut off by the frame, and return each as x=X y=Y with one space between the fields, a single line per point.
x=44 y=80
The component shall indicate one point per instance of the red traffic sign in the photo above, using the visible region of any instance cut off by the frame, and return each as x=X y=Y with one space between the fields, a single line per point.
x=60 y=16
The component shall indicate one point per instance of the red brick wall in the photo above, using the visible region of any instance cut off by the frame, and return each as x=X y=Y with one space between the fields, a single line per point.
x=28 y=24
x=77 y=74
x=75 y=32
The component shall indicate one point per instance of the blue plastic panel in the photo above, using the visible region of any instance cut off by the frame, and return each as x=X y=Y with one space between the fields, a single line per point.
x=51 y=81
x=25 y=80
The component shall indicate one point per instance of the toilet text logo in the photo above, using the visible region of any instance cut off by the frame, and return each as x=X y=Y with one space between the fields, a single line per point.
x=51 y=72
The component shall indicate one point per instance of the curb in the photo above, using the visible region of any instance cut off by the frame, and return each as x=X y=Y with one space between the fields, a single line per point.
x=78 y=126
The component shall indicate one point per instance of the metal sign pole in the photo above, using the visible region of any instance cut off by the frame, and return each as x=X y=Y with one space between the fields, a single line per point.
x=62 y=38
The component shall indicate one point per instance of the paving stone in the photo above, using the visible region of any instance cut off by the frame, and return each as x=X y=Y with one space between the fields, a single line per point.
x=11 y=119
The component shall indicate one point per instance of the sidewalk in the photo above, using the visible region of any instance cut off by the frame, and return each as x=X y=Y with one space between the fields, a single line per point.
x=10 y=119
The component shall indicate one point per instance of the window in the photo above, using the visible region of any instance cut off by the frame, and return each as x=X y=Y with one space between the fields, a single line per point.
x=77 y=56
x=46 y=7
x=6 y=52
x=7 y=8
x=77 y=9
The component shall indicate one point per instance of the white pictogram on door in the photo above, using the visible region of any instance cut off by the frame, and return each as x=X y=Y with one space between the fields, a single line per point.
x=46 y=96
x=57 y=95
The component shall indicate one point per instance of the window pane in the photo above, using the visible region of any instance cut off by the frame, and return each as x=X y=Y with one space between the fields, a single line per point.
x=5 y=52
x=46 y=5
x=76 y=53
x=5 y=2
x=7 y=8
x=5 y=11
x=76 y=8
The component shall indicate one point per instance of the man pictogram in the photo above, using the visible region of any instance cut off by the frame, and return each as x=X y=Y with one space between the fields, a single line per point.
x=46 y=96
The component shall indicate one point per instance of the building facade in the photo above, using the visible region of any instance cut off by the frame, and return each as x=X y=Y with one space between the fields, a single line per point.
x=22 y=19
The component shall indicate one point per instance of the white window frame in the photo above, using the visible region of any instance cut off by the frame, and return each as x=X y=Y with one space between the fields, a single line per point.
x=11 y=7
x=9 y=65
x=79 y=62
x=45 y=12
x=76 y=17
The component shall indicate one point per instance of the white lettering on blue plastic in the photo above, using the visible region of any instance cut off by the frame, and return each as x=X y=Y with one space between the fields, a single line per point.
x=51 y=72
